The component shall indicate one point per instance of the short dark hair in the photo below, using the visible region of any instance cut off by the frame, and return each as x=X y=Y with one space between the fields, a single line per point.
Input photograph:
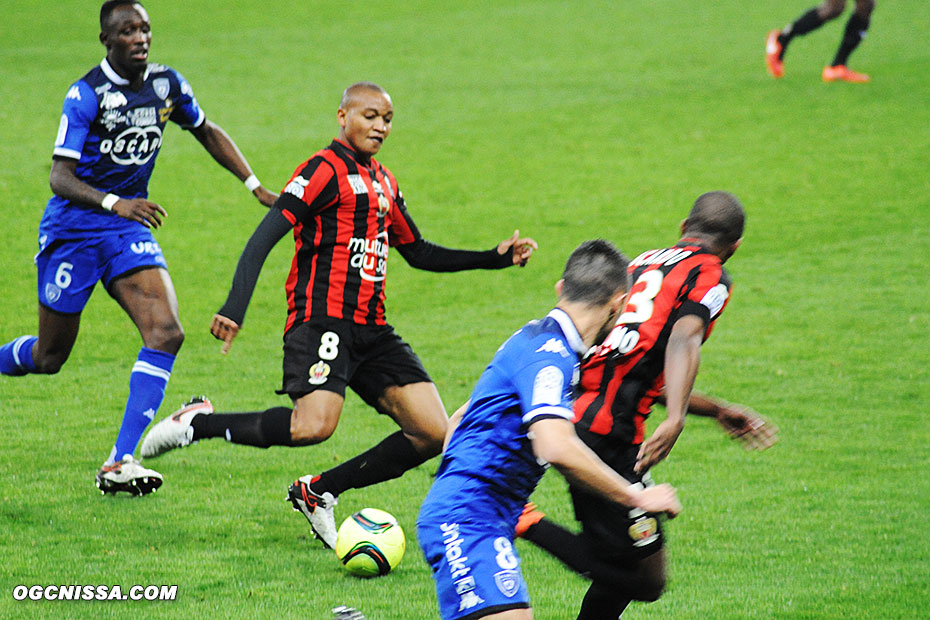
x=109 y=6
x=717 y=215
x=595 y=272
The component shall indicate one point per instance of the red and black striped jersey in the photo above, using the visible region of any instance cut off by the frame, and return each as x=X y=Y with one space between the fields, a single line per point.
x=345 y=216
x=621 y=378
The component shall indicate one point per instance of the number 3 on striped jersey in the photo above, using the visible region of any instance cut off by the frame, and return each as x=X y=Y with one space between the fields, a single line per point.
x=641 y=302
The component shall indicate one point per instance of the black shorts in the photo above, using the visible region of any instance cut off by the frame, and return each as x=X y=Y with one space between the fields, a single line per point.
x=329 y=354
x=614 y=531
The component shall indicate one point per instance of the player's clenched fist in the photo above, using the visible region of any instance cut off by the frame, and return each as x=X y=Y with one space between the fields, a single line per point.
x=660 y=498
x=224 y=329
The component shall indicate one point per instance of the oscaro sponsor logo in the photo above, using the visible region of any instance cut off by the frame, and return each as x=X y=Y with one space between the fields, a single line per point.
x=136 y=145
x=369 y=256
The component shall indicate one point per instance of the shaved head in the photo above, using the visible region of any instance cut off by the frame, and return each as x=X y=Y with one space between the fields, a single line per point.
x=718 y=217
x=364 y=115
x=352 y=92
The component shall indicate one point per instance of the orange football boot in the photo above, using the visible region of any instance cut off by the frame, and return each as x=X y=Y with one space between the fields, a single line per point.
x=841 y=73
x=773 y=55
x=528 y=518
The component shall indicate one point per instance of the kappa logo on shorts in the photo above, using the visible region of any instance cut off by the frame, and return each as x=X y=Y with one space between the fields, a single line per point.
x=644 y=531
x=508 y=582
x=319 y=372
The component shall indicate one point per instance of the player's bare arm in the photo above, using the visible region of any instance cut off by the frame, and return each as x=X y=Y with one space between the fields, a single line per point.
x=555 y=441
x=739 y=421
x=682 y=359
x=454 y=420
x=65 y=183
x=221 y=146
x=523 y=248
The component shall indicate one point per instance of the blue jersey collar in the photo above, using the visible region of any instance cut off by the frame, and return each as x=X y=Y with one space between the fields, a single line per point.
x=115 y=77
x=568 y=328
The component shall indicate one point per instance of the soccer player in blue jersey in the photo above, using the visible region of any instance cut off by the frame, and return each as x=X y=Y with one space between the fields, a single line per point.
x=518 y=420
x=97 y=226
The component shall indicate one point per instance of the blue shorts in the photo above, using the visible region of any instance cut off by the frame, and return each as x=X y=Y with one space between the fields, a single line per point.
x=70 y=268
x=475 y=567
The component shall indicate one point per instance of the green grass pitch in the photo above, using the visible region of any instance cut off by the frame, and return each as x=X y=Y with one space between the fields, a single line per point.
x=569 y=120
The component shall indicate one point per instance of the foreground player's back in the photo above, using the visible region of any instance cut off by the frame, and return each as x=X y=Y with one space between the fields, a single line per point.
x=490 y=457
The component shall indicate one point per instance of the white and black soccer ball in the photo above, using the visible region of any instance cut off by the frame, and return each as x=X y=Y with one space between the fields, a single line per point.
x=370 y=543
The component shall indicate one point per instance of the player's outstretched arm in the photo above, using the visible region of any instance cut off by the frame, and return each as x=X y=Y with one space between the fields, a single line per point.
x=555 y=441
x=65 y=183
x=227 y=322
x=221 y=146
x=682 y=359
x=739 y=421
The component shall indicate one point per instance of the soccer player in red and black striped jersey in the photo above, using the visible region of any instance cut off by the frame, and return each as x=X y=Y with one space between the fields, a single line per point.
x=346 y=211
x=651 y=354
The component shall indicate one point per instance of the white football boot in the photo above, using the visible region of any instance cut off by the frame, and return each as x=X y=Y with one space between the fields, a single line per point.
x=129 y=476
x=317 y=508
x=175 y=431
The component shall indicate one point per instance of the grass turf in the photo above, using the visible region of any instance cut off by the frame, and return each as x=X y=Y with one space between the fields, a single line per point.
x=569 y=121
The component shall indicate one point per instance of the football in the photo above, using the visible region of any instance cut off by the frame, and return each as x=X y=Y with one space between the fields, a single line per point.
x=370 y=543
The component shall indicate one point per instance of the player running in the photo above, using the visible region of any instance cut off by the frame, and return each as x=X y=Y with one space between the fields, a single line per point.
x=776 y=44
x=518 y=419
x=97 y=225
x=652 y=352
x=346 y=211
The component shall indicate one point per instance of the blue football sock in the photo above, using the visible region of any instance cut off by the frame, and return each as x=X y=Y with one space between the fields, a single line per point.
x=16 y=357
x=147 y=384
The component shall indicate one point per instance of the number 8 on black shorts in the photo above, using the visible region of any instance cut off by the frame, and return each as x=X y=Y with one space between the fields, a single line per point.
x=330 y=354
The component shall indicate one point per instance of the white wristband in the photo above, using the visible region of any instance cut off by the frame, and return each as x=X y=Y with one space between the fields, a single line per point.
x=108 y=201
x=252 y=182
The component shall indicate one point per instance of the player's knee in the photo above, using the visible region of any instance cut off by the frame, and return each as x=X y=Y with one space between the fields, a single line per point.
x=832 y=9
x=651 y=590
x=864 y=8
x=49 y=364
x=427 y=446
x=306 y=430
x=651 y=584
x=167 y=337
x=428 y=438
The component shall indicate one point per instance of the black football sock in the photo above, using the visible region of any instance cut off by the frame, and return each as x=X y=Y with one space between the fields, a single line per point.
x=261 y=429
x=856 y=28
x=602 y=602
x=577 y=553
x=387 y=460
x=802 y=25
